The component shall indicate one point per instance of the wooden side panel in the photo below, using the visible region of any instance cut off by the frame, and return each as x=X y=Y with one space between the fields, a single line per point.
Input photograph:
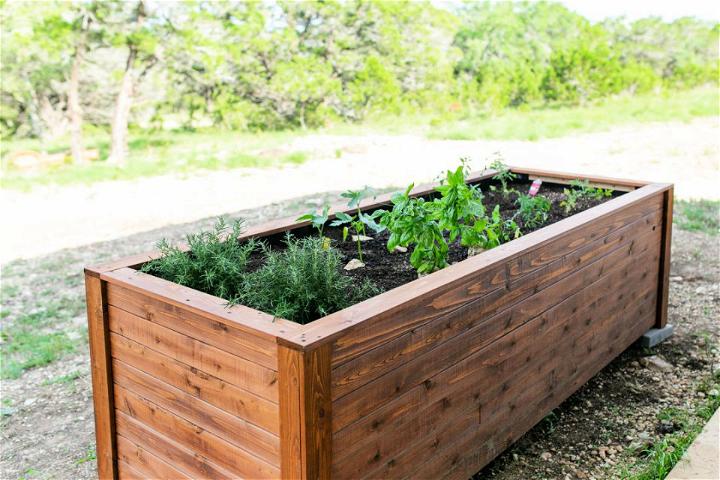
x=306 y=413
x=193 y=395
x=664 y=283
x=101 y=370
x=458 y=389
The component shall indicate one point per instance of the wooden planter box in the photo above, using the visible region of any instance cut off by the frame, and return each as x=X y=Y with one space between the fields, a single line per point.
x=432 y=379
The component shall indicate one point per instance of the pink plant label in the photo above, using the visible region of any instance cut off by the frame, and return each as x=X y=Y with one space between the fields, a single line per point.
x=535 y=187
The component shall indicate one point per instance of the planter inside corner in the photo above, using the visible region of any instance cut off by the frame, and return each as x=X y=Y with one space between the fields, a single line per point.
x=431 y=379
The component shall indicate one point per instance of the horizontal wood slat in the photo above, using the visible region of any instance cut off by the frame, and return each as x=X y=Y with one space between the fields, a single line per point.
x=237 y=462
x=144 y=463
x=484 y=377
x=225 y=396
x=360 y=402
x=208 y=330
x=235 y=370
x=235 y=430
x=364 y=368
x=183 y=300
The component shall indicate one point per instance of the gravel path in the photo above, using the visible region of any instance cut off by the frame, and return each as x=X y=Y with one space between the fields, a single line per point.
x=50 y=218
x=46 y=430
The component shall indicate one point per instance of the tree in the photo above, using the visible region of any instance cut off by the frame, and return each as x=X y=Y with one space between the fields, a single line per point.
x=142 y=43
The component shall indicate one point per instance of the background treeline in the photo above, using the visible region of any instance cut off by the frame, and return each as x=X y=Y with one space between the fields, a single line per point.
x=70 y=67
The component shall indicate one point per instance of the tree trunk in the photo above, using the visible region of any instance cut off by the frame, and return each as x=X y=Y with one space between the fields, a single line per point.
x=119 y=126
x=74 y=109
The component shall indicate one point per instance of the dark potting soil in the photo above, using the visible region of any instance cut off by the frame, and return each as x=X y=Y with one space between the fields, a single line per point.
x=389 y=270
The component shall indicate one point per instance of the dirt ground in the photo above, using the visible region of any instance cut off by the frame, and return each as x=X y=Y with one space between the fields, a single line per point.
x=46 y=430
x=47 y=219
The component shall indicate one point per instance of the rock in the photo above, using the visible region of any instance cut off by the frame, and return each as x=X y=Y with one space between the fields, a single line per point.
x=354 y=264
x=546 y=456
x=701 y=394
x=655 y=362
x=713 y=393
x=29 y=401
x=472 y=251
x=634 y=364
x=516 y=457
x=400 y=249
x=363 y=238
x=6 y=411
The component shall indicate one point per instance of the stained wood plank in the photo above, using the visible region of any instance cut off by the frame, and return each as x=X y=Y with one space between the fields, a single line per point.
x=316 y=413
x=171 y=453
x=249 y=376
x=249 y=321
x=290 y=365
x=144 y=464
x=559 y=177
x=457 y=389
x=664 y=283
x=360 y=402
x=237 y=462
x=101 y=372
x=235 y=430
x=258 y=411
x=126 y=472
x=202 y=328
x=364 y=368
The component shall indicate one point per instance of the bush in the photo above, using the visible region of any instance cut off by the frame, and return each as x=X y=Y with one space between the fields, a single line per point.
x=303 y=282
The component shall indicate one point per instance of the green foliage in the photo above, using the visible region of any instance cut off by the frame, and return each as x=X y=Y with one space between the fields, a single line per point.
x=458 y=212
x=581 y=189
x=216 y=263
x=532 y=210
x=504 y=175
x=698 y=216
x=360 y=220
x=317 y=220
x=301 y=283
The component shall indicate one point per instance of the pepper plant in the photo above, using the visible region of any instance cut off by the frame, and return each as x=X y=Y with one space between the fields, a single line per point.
x=360 y=220
x=317 y=220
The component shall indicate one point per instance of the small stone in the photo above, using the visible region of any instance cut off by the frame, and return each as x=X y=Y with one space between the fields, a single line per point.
x=362 y=238
x=546 y=456
x=701 y=394
x=472 y=251
x=516 y=457
x=676 y=278
x=354 y=264
x=635 y=364
x=6 y=411
x=713 y=393
x=400 y=249
x=29 y=401
x=655 y=362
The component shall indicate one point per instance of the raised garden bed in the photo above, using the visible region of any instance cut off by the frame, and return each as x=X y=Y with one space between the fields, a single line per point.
x=430 y=379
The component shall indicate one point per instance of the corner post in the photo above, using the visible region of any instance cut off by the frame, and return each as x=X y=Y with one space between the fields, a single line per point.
x=305 y=412
x=664 y=274
x=100 y=368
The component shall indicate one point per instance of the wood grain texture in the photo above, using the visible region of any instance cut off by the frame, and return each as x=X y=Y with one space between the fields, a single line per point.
x=136 y=462
x=664 y=281
x=200 y=327
x=225 y=396
x=101 y=372
x=254 y=379
x=235 y=430
x=202 y=444
x=290 y=364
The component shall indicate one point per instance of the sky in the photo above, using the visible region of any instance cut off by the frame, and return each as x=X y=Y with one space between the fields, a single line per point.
x=596 y=10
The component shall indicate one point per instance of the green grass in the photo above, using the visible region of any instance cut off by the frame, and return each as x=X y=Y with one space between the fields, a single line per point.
x=540 y=123
x=698 y=216
x=659 y=459
x=162 y=152
x=156 y=153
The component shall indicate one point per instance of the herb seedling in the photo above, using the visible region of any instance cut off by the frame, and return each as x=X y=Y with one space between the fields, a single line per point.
x=317 y=220
x=533 y=211
x=360 y=220
x=504 y=175
x=582 y=189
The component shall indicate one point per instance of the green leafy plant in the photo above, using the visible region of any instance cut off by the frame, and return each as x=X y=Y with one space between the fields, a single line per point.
x=413 y=221
x=582 y=189
x=302 y=282
x=360 y=220
x=503 y=175
x=215 y=263
x=317 y=220
x=533 y=210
